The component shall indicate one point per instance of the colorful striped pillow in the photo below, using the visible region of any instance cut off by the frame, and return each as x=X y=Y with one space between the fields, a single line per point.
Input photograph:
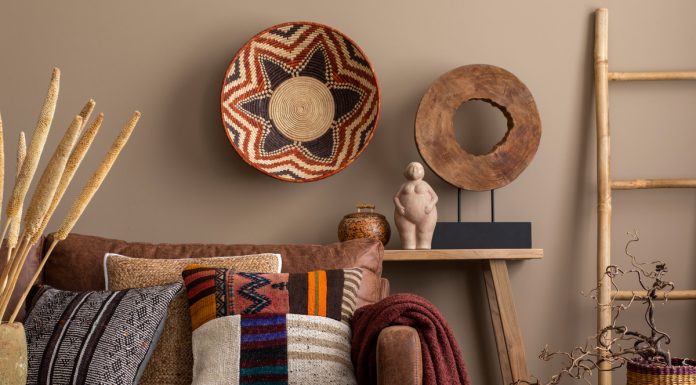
x=218 y=292
x=272 y=349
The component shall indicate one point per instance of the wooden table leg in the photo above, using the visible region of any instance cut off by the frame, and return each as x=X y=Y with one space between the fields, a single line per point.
x=508 y=339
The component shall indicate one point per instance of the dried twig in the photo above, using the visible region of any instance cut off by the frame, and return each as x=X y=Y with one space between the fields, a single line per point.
x=617 y=344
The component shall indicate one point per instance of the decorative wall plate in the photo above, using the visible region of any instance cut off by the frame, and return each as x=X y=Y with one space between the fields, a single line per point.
x=299 y=101
x=438 y=144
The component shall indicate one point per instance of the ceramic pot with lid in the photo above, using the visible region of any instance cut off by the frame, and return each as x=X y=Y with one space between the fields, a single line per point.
x=365 y=223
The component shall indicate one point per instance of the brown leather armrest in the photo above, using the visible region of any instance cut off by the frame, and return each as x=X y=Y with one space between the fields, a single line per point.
x=399 y=360
x=384 y=288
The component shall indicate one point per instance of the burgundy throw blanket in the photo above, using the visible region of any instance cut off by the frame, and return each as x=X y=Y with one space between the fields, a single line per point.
x=442 y=360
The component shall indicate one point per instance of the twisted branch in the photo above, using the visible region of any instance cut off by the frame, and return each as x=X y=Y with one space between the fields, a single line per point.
x=617 y=344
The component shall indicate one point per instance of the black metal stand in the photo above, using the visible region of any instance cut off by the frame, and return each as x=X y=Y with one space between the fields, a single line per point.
x=459 y=205
x=481 y=235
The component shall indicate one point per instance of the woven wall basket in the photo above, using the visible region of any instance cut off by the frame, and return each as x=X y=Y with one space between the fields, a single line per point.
x=650 y=374
x=299 y=101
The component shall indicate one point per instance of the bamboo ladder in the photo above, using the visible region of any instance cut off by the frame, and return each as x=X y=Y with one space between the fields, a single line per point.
x=605 y=184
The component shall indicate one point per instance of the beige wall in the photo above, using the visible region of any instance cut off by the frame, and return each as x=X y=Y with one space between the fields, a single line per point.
x=180 y=180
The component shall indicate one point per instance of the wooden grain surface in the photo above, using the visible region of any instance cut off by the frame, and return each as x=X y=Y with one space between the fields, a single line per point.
x=508 y=337
x=635 y=184
x=676 y=75
x=435 y=135
x=462 y=254
x=627 y=295
x=601 y=64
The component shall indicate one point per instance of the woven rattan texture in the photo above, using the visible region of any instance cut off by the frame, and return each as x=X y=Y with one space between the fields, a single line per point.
x=300 y=101
x=648 y=374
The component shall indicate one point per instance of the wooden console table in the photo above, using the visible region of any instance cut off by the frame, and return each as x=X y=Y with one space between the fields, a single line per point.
x=508 y=338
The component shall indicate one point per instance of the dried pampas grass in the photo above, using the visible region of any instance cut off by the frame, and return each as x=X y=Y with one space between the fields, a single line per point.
x=51 y=187
x=43 y=196
x=13 y=233
x=87 y=111
x=38 y=141
x=71 y=167
x=2 y=165
x=95 y=182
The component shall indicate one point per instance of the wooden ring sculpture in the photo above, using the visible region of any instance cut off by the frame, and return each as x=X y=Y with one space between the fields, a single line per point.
x=436 y=139
x=299 y=101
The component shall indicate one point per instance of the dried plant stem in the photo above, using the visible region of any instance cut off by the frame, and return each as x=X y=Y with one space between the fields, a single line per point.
x=76 y=211
x=13 y=235
x=615 y=345
x=4 y=231
x=2 y=169
x=96 y=180
x=18 y=259
x=48 y=184
x=71 y=167
x=87 y=111
x=13 y=225
x=26 y=174
x=23 y=298
x=4 y=276
x=50 y=189
x=35 y=149
x=41 y=201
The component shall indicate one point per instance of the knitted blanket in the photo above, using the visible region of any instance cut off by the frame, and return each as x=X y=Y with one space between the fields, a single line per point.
x=443 y=362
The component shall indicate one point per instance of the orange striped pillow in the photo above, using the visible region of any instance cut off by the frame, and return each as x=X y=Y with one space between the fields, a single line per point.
x=218 y=292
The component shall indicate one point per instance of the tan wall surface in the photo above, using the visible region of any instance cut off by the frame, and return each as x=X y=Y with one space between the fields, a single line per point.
x=179 y=180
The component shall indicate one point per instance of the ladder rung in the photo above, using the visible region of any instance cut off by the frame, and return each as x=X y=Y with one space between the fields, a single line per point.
x=673 y=295
x=682 y=75
x=635 y=184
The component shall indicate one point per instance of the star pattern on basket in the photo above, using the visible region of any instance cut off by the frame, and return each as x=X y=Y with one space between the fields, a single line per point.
x=314 y=66
x=279 y=54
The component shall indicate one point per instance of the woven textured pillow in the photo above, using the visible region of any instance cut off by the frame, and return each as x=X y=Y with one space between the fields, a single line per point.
x=172 y=361
x=94 y=337
x=272 y=349
x=218 y=292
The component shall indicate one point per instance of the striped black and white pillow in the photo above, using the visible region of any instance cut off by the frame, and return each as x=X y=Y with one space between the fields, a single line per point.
x=94 y=337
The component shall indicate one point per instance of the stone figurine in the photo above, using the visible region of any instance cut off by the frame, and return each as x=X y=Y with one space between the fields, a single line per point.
x=415 y=213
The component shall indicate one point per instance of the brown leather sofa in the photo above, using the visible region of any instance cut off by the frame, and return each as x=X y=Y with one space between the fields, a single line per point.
x=76 y=264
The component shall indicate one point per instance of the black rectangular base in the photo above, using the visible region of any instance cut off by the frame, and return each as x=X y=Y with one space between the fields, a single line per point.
x=482 y=235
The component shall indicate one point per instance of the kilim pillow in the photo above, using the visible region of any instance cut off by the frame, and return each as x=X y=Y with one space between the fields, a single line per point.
x=172 y=360
x=277 y=349
x=94 y=337
x=218 y=292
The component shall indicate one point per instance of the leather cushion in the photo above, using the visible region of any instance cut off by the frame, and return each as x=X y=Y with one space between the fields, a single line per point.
x=76 y=263
x=399 y=358
x=30 y=266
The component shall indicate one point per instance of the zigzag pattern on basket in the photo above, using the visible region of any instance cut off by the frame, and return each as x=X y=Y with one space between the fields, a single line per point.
x=325 y=293
x=291 y=51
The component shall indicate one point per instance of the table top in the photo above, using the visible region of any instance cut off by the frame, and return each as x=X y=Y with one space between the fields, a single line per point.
x=462 y=254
